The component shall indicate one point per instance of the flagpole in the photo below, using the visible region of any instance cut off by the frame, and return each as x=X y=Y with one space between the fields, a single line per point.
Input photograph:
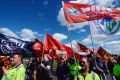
x=91 y=36
x=70 y=42
x=68 y=34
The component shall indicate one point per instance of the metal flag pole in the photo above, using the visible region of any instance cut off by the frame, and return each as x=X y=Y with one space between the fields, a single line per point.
x=70 y=43
x=68 y=34
x=91 y=36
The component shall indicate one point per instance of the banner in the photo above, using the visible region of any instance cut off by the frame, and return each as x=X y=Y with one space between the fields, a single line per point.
x=38 y=47
x=52 y=43
x=104 y=55
x=76 y=13
x=10 y=45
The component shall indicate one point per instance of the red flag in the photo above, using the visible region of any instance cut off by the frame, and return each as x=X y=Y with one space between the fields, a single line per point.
x=52 y=43
x=82 y=48
x=102 y=53
x=70 y=52
x=76 y=13
x=38 y=47
x=5 y=60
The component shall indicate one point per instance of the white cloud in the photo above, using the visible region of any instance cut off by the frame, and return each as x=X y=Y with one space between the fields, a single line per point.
x=111 y=43
x=82 y=30
x=27 y=34
x=8 y=32
x=59 y=36
x=82 y=1
x=61 y=17
x=77 y=26
x=39 y=34
x=105 y=3
x=113 y=46
x=24 y=34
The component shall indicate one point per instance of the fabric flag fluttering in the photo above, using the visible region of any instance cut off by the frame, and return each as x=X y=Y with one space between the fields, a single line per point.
x=76 y=13
x=10 y=45
x=83 y=50
x=71 y=52
x=52 y=43
x=102 y=53
x=38 y=47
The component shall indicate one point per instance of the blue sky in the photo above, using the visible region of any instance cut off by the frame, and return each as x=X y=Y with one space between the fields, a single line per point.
x=29 y=19
x=36 y=15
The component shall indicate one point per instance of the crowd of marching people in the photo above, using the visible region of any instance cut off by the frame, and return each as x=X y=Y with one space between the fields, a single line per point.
x=88 y=67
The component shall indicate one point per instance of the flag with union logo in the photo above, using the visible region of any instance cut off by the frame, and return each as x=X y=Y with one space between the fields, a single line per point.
x=10 y=45
x=76 y=13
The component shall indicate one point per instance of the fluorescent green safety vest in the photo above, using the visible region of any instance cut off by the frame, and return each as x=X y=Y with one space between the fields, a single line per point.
x=89 y=76
x=15 y=73
x=74 y=68
x=116 y=70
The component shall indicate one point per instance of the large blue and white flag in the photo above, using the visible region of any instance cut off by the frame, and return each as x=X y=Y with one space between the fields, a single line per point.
x=109 y=27
x=105 y=33
x=105 y=29
x=10 y=45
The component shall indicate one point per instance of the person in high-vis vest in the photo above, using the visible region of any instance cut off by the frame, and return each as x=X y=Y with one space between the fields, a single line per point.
x=17 y=69
x=86 y=73
x=116 y=69
x=74 y=68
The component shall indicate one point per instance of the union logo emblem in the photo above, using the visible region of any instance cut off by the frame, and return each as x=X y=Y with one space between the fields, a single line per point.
x=73 y=11
x=109 y=26
x=11 y=45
